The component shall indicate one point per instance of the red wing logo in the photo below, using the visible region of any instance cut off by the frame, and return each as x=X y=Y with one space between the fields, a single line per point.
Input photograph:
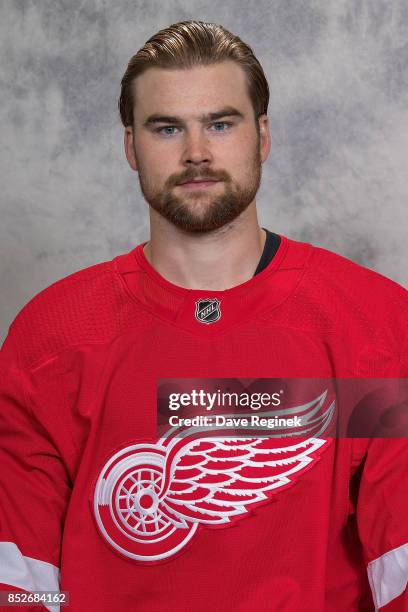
x=150 y=499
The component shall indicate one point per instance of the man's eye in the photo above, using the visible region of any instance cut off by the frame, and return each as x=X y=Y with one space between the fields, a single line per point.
x=227 y=123
x=166 y=127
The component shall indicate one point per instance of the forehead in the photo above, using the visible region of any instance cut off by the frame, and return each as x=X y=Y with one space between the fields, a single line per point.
x=184 y=91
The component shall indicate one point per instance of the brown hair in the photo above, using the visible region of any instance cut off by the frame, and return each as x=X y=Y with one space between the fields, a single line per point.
x=190 y=43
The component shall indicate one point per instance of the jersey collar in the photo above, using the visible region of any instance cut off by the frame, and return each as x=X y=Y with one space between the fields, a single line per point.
x=208 y=313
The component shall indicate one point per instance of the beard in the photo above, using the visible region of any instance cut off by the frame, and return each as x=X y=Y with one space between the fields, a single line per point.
x=201 y=211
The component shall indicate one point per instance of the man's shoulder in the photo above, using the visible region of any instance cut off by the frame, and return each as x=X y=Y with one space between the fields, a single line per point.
x=338 y=292
x=345 y=275
x=78 y=308
x=358 y=311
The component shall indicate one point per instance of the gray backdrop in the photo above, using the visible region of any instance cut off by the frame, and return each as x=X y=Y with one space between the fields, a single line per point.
x=336 y=175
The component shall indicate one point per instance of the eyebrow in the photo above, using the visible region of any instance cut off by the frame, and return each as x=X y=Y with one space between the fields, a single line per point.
x=228 y=111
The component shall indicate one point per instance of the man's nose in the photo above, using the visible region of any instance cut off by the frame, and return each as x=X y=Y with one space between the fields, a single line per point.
x=197 y=148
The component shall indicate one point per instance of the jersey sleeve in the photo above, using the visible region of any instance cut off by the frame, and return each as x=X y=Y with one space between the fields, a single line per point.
x=34 y=485
x=382 y=519
x=382 y=513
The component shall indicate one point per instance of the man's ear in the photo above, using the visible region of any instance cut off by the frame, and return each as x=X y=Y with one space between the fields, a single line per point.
x=265 y=139
x=129 y=148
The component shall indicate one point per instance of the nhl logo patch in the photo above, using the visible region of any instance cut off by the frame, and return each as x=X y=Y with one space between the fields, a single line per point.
x=208 y=310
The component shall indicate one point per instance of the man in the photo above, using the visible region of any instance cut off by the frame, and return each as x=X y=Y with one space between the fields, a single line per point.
x=94 y=501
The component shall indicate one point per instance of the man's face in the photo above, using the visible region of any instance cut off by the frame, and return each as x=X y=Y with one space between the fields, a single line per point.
x=177 y=138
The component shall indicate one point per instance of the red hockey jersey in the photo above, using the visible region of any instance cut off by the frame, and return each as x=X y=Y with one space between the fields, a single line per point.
x=93 y=503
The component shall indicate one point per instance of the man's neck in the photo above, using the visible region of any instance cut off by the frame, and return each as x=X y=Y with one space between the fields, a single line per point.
x=215 y=261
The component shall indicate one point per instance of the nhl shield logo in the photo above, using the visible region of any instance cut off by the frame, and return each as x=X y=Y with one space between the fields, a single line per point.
x=208 y=310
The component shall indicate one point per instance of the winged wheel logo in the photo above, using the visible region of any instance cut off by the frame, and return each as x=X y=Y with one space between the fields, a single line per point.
x=150 y=499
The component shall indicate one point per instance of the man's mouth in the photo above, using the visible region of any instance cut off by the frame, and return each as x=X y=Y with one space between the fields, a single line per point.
x=198 y=183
